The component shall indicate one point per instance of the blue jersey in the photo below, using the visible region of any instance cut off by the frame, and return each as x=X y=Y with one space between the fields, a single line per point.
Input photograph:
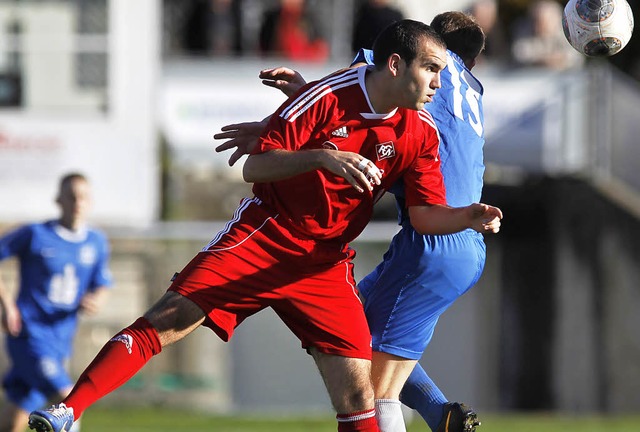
x=457 y=110
x=57 y=267
x=421 y=276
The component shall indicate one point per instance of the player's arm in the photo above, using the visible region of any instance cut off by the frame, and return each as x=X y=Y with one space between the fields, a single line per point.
x=283 y=149
x=243 y=137
x=11 y=319
x=100 y=283
x=14 y=243
x=287 y=80
x=440 y=219
x=93 y=300
x=280 y=164
x=426 y=198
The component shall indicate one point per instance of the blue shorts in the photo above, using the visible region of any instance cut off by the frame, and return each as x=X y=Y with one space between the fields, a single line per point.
x=33 y=379
x=418 y=279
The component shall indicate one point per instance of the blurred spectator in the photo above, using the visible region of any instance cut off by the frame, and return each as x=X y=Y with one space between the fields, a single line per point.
x=212 y=27
x=496 y=45
x=290 y=31
x=370 y=19
x=628 y=60
x=538 y=39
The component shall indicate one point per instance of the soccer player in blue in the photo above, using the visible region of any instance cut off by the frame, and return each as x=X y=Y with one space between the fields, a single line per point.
x=420 y=276
x=63 y=266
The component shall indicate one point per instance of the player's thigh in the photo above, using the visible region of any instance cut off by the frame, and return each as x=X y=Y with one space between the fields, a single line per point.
x=324 y=311
x=348 y=381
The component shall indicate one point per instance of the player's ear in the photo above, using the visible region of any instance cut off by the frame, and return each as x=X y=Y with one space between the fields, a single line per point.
x=471 y=63
x=393 y=63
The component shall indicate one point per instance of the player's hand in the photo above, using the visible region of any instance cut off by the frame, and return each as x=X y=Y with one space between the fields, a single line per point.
x=288 y=81
x=356 y=169
x=485 y=218
x=92 y=301
x=242 y=137
x=11 y=319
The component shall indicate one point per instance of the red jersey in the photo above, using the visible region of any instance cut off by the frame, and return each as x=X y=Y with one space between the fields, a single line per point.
x=336 y=113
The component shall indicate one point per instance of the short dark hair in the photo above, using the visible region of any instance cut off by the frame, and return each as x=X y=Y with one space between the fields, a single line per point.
x=462 y=34
x=403 y=38
x=68 y=178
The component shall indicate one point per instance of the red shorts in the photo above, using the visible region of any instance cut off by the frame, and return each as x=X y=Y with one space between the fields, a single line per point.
x=255 y=262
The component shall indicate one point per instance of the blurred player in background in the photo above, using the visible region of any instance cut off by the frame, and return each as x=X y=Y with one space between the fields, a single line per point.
x=63 y=267
x=420 y=276
x=317 y=171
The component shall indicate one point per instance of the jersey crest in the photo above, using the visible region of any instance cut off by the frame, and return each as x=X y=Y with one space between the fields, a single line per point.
x=385 y=150
x=88 y=255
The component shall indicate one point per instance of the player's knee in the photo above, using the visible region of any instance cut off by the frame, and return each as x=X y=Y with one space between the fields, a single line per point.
x=173 y=317
x=358 y=400
x=358 y=396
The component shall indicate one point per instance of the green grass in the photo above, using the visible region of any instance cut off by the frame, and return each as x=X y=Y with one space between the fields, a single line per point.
x=98 y=419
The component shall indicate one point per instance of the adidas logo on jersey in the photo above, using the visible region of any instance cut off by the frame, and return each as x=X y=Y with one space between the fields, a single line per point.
x=340 y=132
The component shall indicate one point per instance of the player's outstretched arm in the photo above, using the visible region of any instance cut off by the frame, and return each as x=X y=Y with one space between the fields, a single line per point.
x=439 y=219
x=277 y=165
x=287 y=80
x=242 y=137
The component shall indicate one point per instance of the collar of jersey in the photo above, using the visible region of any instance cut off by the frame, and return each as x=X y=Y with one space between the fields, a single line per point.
x=76 y=236
x=373 y=115
x=457 y=58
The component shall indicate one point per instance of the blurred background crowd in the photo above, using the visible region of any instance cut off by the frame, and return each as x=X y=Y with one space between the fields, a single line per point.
x=520 y=32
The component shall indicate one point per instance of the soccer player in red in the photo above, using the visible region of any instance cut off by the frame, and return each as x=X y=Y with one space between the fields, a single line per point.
x=325 y=157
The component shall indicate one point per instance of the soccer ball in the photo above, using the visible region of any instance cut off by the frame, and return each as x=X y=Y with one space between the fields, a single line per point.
x=598 y=28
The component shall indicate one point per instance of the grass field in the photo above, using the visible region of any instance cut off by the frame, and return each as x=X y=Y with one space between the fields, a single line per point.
x=99 y=419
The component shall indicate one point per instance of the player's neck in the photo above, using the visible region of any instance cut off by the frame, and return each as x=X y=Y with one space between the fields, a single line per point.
x=71 y=223
x=378 y=92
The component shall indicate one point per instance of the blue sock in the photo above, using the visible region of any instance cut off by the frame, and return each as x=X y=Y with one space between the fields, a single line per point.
x=424 y=396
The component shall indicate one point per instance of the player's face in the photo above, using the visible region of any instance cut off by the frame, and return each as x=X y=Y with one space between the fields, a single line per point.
x=421 y=78
x=74 y=200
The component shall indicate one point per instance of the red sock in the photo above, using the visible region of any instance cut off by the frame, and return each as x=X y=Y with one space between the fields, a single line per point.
x=124 y=355
x=361 y=421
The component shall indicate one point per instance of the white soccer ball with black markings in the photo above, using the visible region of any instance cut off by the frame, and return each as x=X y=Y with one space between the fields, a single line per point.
x=598 y=28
